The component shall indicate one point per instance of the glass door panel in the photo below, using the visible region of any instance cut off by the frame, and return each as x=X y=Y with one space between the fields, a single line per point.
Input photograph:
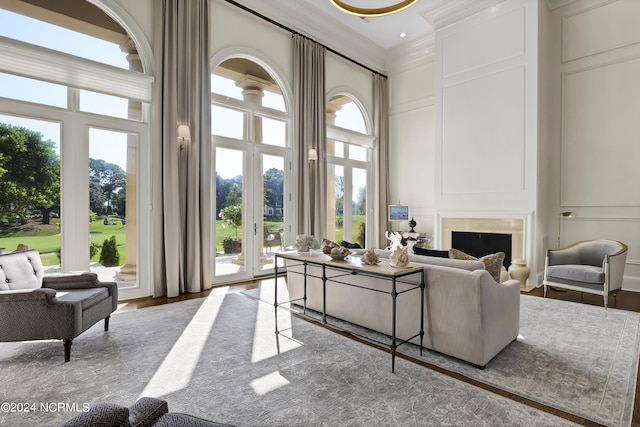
x=113 y=218
x=335 y=202
x=230 y=212
x=359 y=210
x=270 y=200
x=30 y=188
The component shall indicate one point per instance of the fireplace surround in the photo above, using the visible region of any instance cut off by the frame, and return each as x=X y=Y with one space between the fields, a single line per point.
x=511 y=226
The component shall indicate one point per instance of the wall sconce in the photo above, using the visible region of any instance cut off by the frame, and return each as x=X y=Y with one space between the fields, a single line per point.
x=184 y=135
x=560 y=216
x=313 y=156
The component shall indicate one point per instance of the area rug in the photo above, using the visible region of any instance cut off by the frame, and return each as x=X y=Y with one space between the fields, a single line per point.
x=219 y=358
x=577 y=358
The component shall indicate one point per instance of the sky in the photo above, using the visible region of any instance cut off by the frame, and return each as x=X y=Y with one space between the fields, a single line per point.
x=109 y=146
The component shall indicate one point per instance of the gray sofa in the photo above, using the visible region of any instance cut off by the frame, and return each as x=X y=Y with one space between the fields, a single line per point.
x=38 y=307
x=145 y=412
x=468 y=315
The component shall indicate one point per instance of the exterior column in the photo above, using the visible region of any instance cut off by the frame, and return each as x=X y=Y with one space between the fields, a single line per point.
x=333 y=107
x=128 y=272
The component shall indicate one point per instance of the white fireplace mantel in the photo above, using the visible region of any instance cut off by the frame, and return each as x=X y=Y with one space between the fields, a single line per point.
x=519 y=224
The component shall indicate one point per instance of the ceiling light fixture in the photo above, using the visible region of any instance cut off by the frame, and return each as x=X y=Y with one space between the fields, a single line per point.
x=373 y=12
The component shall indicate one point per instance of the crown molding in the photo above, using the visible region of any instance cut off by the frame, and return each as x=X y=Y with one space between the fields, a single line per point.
x=316 y=25
x=443 y=13
x=416 y=51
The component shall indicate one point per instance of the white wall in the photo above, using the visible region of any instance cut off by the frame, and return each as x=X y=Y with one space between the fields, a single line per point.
x=486 y=138
x=411 y=141
x=595 y=144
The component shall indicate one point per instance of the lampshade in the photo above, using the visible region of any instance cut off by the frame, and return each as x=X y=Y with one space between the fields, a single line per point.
x=184 y=132
x=367 y=12
x=313 y=155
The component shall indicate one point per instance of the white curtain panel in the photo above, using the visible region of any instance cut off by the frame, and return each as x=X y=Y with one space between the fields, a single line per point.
x=311 y=133
x=381 y=132
x=182 y=189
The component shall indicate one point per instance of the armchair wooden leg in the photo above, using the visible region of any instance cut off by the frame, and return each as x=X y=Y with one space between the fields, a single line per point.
x=106 y=323
x=67 y=350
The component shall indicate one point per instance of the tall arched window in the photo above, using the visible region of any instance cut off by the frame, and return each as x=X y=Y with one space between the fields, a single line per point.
x=250 y=124
x=73 y=82
x=349 y=174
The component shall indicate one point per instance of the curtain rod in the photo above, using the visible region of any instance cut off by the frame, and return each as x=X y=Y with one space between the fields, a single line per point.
x=292 y=31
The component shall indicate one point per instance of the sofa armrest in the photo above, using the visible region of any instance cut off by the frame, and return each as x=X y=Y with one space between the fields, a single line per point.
x=27 y=295
x=70 y=281
x=81 y=281
x=615 y=270
x=146 y=411
x=100 y=414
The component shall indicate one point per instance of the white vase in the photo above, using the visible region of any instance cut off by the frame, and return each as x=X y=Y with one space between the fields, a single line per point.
x=519 y=271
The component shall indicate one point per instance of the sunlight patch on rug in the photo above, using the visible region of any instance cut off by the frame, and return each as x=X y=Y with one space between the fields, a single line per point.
x=266 y=343
x=177 y=368
x=268 y=383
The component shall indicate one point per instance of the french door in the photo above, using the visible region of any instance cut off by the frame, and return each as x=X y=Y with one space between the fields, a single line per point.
x=250 y=207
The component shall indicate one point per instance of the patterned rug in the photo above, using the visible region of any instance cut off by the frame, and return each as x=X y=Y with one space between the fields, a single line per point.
x=219 y=358
x=577 y=358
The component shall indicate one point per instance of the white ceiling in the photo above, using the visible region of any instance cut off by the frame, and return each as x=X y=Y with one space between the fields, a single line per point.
x=383 y=31
x=375 y=42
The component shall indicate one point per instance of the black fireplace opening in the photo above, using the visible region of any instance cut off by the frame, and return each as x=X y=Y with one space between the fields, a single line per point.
x=481 y=244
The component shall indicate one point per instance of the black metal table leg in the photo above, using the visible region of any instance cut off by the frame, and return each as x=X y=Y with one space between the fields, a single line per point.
x=324 y=294
x=422 y=286
x=394 y=296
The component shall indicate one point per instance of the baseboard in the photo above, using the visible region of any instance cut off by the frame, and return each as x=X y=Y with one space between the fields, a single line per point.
x=631 y=284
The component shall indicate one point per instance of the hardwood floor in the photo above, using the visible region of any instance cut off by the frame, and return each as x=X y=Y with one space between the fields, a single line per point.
x=624 y=300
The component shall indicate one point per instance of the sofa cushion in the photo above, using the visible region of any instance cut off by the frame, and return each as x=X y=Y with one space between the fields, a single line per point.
x=492 y=263
x=576 y=273
x=431 y=252
x=20 y=270
x=88 y=297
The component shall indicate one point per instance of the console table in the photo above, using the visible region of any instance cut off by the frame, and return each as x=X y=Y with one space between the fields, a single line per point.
x=336 y=271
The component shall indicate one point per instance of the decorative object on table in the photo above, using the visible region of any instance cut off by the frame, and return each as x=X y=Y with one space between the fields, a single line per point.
x=339 y=253
x=409 y=244
x=412 y=224
x=519 y=271
x=399 y=258
x=334 y=250
x=305 y=242
x=395 y=238
x=370 y=257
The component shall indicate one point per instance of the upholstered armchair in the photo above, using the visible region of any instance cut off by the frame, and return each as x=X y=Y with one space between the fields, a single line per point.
x=592 y=266
x=38 y=307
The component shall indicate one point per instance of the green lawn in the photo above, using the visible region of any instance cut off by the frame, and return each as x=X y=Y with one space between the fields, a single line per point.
x=47 y=242
x=355 y=228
